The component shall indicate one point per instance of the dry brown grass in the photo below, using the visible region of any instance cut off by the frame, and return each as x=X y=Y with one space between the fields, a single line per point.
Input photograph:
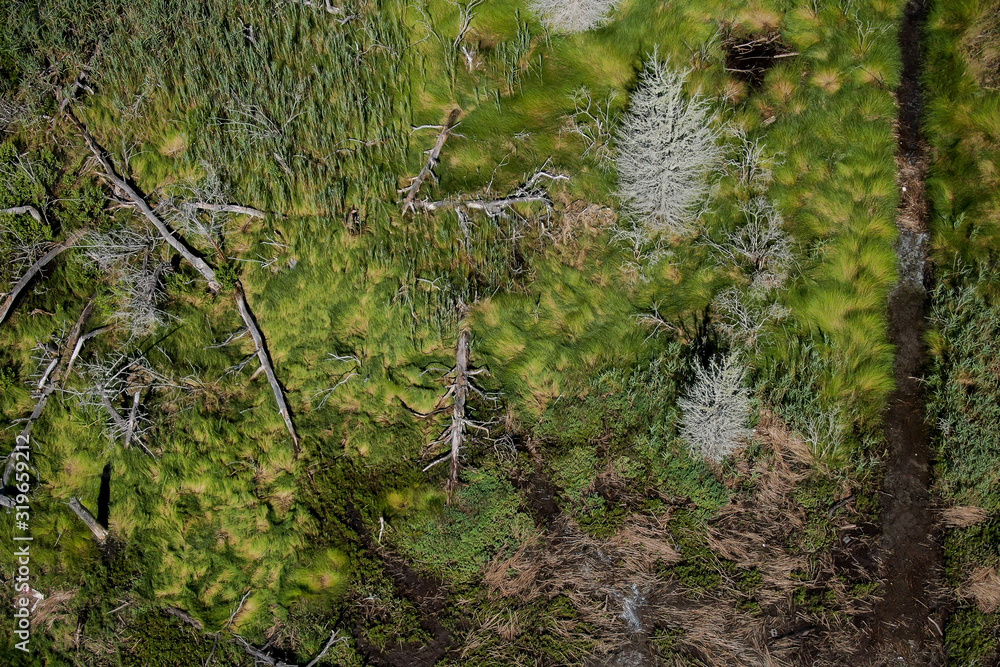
x=983 y=587
x=963 y=516
x=53 y=608
x=759 y=530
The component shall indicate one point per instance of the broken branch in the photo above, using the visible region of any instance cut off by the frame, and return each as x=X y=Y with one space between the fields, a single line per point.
x=99 y=531
x=140 y=203
x=265 y=362
x=35 y=268
x=433 y=158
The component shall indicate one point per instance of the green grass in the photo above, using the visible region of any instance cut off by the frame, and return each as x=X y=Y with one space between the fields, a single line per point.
x=228 y=507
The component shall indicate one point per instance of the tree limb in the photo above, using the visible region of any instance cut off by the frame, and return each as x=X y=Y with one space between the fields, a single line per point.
x=458 y=423
x=184 y=616
x=488 y=205
x=20 y=210
x=265 y=361
x=99 y=531
x=35 y=268
x=140 y=203
x=227 y=208
x=433 y=158
x=54 y=378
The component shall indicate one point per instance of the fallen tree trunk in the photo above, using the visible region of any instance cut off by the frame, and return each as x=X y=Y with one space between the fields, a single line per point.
x=53 y=380
x=21 y=210
x=99 y=531
x=201 y=266
x=487 y=205
x=35 y=268
x=168 y=235
x=257 y=654
x=454 y=435
x=227 y=208
x=184 y=616
x=265 y=362
x=458 y=421
x=433 y=158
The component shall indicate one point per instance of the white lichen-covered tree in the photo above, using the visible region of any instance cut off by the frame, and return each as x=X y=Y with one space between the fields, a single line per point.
x=667 y=146
x=566 y=16
x=715 y=409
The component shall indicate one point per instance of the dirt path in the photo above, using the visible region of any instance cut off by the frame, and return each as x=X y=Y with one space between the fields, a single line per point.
x=905 y=629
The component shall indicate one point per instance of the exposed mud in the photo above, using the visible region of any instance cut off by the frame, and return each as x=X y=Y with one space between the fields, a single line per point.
x=906 y=624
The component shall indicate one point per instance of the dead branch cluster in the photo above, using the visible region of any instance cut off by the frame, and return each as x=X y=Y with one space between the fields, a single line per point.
x=459 y=389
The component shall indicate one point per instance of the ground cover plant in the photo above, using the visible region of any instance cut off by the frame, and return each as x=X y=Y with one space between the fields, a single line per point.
x=579 y=310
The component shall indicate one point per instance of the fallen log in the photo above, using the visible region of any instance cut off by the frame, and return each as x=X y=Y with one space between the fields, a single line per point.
x=139 y=202
x=35 y=268
x=201 y=266
x=265 y=361
x=54 y=378
x=21 y=210
x=227 y=208
x=433 y=158
x=455 y=434
x=99 y=531
x=461 y=394
x=491 y=206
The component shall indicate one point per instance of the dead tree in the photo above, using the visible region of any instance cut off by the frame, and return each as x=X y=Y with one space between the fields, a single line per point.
x=760 y=246
x=50 y=380
x=140 y=203
x=259 y=655
x=199 y=264
x=568 y=16
x=35 y=268
x=715 y=409
x=458 y=390
x=265 y=361
x=99 y=531
x=433 y=158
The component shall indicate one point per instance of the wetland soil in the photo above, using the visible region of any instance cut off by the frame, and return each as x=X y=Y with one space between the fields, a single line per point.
x=905 y=627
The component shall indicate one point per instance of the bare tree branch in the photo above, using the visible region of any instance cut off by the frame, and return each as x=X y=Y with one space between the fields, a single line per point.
x=265 y=362
x=99 y=531
x=433 y=158
x=35 y=268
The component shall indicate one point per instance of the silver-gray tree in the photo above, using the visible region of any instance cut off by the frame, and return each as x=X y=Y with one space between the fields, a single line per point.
x=667 y=146
x=573 y=15
x=715 y=409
